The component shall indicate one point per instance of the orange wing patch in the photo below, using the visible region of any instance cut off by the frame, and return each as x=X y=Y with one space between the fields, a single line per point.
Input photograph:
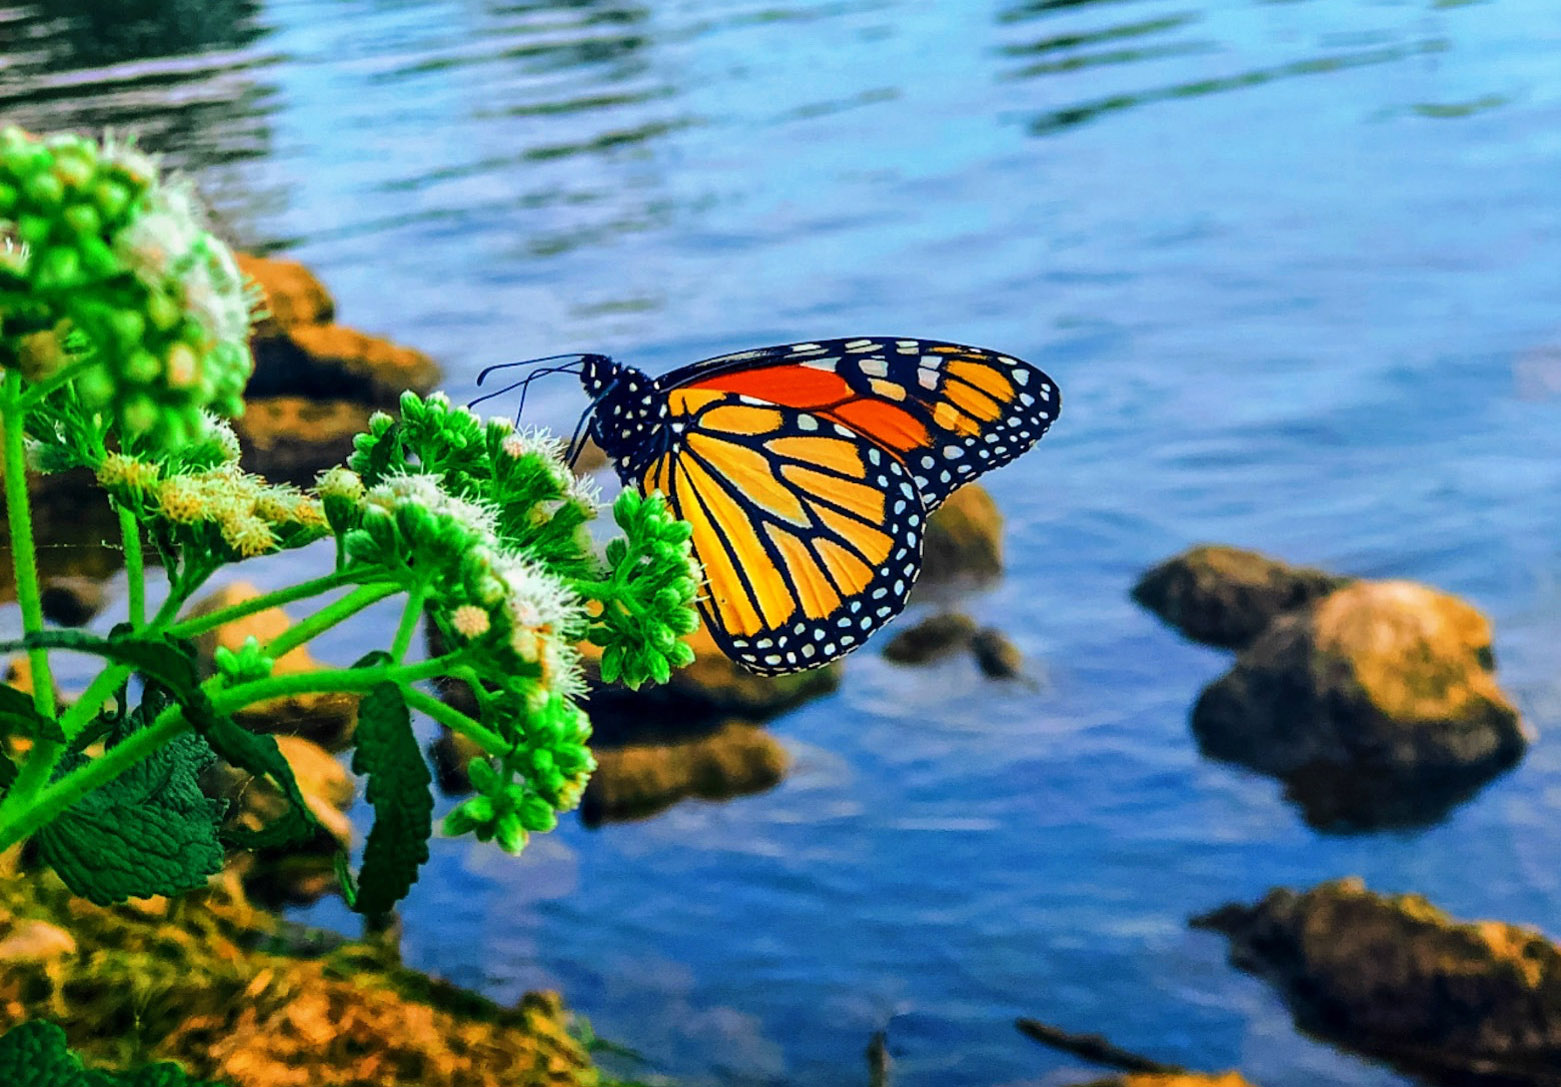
x=791 y=385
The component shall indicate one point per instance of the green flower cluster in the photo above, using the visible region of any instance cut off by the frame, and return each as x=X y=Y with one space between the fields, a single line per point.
x=649 y=605
x=109 y=272
x=489 y=523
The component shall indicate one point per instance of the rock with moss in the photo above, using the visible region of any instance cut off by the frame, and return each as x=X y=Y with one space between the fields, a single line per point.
x=1227 y=596
x=1172 y=1079
x=315 y=381
x=711 y=688
x=935 y=636
x=1395 y=977
x=964 y=538
x=636 y=780
x=1381 y=687
x=205 y=980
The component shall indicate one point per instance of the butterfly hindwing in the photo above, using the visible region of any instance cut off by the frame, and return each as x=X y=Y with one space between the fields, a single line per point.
x=948 y=412
x=810 y=536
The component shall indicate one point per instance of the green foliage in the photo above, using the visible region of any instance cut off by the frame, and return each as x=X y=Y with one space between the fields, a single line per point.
x=149 y=831
x=109 y=273
x=123 y=343
x=651 y=603
x=35 y=1054
x=399 y=790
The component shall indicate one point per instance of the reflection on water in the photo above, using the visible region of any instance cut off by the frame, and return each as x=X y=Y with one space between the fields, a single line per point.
x=1295 y=263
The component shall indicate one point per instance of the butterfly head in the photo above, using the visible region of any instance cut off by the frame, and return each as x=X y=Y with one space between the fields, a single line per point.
x=627 y=412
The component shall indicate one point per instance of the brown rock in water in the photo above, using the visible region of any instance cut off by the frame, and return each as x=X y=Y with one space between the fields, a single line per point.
x=1393 y=976
x=964 y=537
x=935 y=636
x=735 y=759
x=1172 y=1079
x=998 y=657
x=293 y=295
x=71 y=600
x=290 y=439
x=208 y=984
x=1227 y=596
x=332 y=362
x=1388 y=676
x=711 y=688
x=327 y=718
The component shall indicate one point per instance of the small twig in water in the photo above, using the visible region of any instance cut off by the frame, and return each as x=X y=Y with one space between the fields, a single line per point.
x=1093 y=1047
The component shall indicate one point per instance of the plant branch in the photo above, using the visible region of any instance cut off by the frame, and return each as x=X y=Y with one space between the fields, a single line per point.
x=329 y=616
x=135 y=565
x=456 y=721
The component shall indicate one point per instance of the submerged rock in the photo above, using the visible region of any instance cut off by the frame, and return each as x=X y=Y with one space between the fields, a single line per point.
x=201 y=981
x=291 y=439
x=933 y=637
x=315 y=382
x=1395 y=977
x=734 y=759
x=328 y=718
x=712 y=688
x=1227 y=596
x=72 y=600
x=1172 y=1079
x=997 y=657
x=1373 y=700
x=1389 y=680
x=964 y=538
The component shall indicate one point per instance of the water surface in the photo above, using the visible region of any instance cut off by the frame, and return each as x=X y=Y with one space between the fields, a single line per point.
x=1294 y=266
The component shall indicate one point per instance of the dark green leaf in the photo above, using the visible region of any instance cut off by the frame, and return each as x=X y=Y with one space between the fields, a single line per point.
x=35 y=1055
x=259 y=755
x=399 y=790
x=149 y=831
x=19 y=717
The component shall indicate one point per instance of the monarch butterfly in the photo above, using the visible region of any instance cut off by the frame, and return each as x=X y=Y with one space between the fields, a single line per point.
x=807 y=471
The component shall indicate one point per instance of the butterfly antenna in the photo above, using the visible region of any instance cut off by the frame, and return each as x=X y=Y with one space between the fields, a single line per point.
x=524 y=383
x=578 y=438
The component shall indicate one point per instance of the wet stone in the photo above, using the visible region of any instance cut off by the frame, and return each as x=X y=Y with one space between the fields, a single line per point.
x=72 y=600
x=1227 y=596
x=1392 y=976
x=997 y=657
x=1387 y=681
x=730 y=760
x=964 y=538
x=933 y=637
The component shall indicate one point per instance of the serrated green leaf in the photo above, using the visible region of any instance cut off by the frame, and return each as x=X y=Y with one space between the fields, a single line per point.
x=149 y=831
x=19 y=717
x=35 y=1055
x=399 y=789
x=260 y=755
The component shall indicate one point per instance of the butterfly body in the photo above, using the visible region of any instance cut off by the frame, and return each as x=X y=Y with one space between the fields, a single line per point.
x=807 y=472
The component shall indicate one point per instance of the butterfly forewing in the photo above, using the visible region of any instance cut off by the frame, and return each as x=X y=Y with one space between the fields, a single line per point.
x=946 y=411
x=810 y=537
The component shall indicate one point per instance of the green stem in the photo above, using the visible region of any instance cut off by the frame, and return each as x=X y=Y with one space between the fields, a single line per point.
x=329 y=616
x=199 y=624
x=409 y=617
x=456 y=721
x=332 y=679
x=135 y=565
x=37 y=393
x=24 y=557
x=35 y=771
x=60 y=795
x=85 y=708
x=180 y=589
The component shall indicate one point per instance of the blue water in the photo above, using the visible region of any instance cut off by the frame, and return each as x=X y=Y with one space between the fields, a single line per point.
x=1295 y=266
